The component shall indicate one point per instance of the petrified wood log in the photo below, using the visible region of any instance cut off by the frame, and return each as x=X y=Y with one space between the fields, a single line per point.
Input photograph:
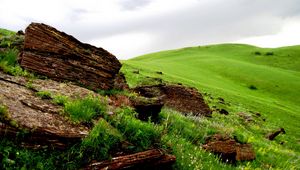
x=37 y=122
x=181 y=98
x=151 y=159
x=273 y=135
x=228 y=149
x=147 y=108
x=60 y=56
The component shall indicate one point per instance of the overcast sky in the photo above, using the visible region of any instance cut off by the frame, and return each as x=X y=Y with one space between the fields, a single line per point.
x=128 y=28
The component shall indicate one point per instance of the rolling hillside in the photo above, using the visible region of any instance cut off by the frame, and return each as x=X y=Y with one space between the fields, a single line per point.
x=251 y=79
x=259 y=88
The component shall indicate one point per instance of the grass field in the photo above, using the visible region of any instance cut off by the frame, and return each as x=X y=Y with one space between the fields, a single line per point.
x=251 y=79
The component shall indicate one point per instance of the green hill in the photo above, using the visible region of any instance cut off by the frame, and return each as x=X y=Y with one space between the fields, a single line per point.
x=5 y=32
x=251 y=79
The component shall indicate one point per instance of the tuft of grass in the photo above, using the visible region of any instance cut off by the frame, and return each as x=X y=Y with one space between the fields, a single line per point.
x=9 y=64
x=257 y=53
x=142 y=134
x=113 y=92
x=101 y=140
x=252 y=87
x=3 y=113
x=84 y=110
x=3 y=110
x=269 y=53
x=44 y=94
x=9 y=57
x=60 y=100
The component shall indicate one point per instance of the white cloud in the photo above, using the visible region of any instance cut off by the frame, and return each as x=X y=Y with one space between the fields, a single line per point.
x=288 y=35
x=123 y=44
x=129 y=28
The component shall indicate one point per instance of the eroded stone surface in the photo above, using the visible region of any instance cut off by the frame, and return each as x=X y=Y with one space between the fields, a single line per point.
x=40 y=118
x=60 y=56
x=228 y=149
x=181 y=98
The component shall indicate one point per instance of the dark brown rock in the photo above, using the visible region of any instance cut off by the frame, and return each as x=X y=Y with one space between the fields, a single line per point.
x=273 y=135
x=223 y=111
x=228 y=149
x=147 y=108
x=136 y=71
x=20 y=32
x=181 y=98
x=246 y=117
x=120 y=82
x=60 y=56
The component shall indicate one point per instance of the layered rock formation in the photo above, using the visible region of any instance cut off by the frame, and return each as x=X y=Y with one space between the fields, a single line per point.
x=60 y=56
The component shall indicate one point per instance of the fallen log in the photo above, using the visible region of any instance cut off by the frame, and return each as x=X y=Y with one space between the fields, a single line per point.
x=61 y=57
x=151 y=159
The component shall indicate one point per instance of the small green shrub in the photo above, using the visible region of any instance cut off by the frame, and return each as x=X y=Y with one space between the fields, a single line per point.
x=257 y=53
x=84 y=110
x=101 y=140
x=142 y=134
x=269 y=53
x=239 y=136
x=44 y=94
x=252 y=87
x=9 y=56
x=60 y=100
x=8 y=63
x=3 y=110
x=29 y=85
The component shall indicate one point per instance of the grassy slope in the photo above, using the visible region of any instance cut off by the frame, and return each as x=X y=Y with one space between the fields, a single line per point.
x=5 y=32
x=227 y=71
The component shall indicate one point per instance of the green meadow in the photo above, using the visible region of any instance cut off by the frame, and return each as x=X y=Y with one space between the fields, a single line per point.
x=250 y=79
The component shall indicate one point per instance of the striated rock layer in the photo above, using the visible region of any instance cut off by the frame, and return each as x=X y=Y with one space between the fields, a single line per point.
x=60 y=56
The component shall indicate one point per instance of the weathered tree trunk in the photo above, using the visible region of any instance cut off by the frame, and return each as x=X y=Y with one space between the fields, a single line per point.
x=60 y=56
x=150 y=159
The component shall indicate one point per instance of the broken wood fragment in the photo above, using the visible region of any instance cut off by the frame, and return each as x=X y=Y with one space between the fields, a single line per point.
x=273 y=135
x=146 y=160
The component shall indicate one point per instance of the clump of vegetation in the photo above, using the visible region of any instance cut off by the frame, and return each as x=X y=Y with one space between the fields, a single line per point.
x=269 y=53
x=101 y=140
x=252 y=87
x=60 y=100
x=113 y=92
x=44 y=94
x=84 y=110
x=257 y=53
x=8 y=63
x=142 y=134
x=3 y=110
